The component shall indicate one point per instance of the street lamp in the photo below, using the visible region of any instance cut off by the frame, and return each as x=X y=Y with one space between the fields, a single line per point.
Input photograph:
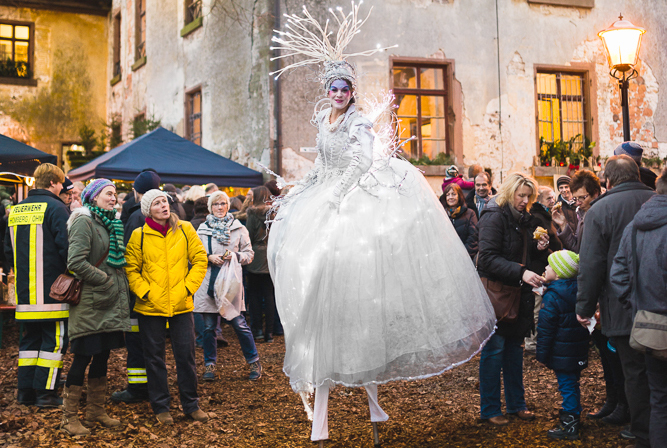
x=622 y=41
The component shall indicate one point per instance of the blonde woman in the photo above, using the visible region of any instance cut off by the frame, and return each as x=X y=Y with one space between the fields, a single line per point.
x=505 y=233
x=195 y=192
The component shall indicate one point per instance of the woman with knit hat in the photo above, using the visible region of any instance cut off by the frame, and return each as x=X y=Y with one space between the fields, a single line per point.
x=96 y=256
x=224 y=237
x=157 y=269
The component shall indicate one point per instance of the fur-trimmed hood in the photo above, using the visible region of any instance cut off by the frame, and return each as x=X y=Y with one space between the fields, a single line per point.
x=80 y=211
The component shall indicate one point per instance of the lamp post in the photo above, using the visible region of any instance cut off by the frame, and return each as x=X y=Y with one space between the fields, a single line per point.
x=622 y=41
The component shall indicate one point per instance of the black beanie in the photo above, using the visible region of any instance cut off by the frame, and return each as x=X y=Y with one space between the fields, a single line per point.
x=146 y=180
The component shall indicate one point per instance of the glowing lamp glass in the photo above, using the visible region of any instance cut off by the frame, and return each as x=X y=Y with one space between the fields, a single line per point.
x=622 y=41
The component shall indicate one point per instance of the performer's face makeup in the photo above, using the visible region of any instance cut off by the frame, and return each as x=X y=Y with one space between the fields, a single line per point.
x=340 y=94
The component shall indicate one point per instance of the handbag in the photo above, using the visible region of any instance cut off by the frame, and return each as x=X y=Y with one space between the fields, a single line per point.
x=67 y=288
x=506 y=299
x=649 y=330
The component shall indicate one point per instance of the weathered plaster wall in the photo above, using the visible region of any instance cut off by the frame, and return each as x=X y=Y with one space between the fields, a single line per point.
x=465 y=31
x=58 y=31
x=227 y=58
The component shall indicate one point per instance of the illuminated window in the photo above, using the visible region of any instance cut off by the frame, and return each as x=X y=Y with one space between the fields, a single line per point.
x=561 y=111
x=193 y=112
x=16 y=49
x=421 y=95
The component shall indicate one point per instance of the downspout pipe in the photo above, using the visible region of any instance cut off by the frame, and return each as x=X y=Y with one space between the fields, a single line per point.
x=277 y=116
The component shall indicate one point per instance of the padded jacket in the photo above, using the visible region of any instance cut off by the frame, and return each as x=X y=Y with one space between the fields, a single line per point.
x=562 y=343
x=500 y=255
x=157 y=269
x=608 y=216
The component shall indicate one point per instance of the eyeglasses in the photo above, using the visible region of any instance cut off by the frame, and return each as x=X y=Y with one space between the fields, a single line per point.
x=219 y=204
x=581 y=198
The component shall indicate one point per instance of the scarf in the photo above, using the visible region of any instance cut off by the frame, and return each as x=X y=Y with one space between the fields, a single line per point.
x=220 y=227
x=454 y=212
x=116 y=258
x=481 y=203
x=163 y=229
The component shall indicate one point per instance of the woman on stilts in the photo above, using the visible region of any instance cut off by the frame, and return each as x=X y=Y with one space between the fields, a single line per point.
x=360 y=252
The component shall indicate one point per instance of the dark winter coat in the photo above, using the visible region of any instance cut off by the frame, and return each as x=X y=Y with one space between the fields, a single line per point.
x=570 y=212
x=471 y=201
x=650 y=293
x=544 y=217
x=465 y=223
x=608 y=216
x=198 y=219
x=647 y=177
x=189 y=208
x=562 y=343
x=38 y=232
x=255 y=223
x=135 y=221
x=500 y=254
x=570 y=238
x=127 y=205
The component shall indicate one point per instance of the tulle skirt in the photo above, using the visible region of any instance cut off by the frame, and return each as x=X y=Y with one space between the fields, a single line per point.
x=380 y=290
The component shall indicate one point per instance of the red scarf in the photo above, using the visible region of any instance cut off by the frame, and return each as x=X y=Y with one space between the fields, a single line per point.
x=158 y=227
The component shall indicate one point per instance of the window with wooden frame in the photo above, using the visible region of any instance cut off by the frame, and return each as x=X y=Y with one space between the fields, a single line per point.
x=193 y=115
x=192 y=10
x=140 y=39
x=421 y=98
x=116 y=46
x=16 y=49
x=562 y=107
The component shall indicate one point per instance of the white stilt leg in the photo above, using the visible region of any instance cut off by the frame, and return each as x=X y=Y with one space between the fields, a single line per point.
x=320 y=429
x=377 y=414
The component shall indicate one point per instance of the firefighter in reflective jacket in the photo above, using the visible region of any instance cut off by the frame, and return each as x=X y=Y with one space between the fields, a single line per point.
x=37 y=248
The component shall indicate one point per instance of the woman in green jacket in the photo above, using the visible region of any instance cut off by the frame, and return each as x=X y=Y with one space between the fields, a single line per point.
x=96 y=256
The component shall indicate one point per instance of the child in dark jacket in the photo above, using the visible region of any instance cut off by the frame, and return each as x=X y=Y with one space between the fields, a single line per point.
x=562 y=343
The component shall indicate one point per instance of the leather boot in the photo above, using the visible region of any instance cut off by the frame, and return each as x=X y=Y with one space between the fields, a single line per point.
x=568 y=429
x=620 y=416
x=97 y=393
x=70 y=423
x=609 y=405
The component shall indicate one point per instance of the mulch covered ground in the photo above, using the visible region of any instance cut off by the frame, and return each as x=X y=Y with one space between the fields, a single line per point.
x=438 y=412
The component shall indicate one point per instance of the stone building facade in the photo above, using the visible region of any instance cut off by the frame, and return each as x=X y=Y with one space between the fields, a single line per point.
x=481 y=80
x=53 y=70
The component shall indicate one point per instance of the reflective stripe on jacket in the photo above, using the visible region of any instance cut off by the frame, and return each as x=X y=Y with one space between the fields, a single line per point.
x=37 y=248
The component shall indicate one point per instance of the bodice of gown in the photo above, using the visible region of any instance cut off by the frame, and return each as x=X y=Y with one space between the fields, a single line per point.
x=344 y=153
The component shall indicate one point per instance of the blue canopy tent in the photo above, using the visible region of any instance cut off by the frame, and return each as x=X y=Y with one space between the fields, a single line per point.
x=175 y=159
x=19 y=158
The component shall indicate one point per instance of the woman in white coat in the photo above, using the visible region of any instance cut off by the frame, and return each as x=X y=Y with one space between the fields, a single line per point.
x=224 y=238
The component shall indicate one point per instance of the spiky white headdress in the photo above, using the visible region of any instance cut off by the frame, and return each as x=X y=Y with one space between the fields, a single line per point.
x=300 y=39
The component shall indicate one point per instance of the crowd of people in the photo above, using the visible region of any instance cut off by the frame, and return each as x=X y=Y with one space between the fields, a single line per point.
x=579 y=284
x=149 y=261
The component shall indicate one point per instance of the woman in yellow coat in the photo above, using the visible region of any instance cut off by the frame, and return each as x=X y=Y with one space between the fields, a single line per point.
x=157 y=270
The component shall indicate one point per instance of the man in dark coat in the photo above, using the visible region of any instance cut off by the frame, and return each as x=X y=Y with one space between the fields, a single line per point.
x=477 y=199
x=639 y=280
x=569 y=206
x=36 y=246
x=605 y=222
x=136 y=390
x=635 y=151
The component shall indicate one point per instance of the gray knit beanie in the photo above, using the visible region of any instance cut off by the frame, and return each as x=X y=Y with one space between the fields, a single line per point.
x=148 y=198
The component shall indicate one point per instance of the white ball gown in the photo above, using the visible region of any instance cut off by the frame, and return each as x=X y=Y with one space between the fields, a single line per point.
x=380 y=288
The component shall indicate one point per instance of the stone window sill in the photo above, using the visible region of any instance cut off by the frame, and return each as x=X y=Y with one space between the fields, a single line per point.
x=575 y=3
x=140 y=63
x=115 y=80
x=19 y=81
x=190 y=27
